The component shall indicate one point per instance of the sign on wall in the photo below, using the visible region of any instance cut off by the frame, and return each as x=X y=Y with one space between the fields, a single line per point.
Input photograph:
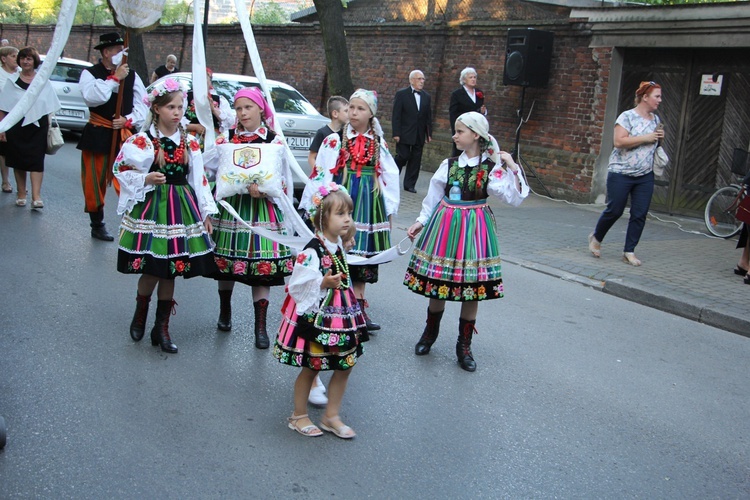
x=711 y=84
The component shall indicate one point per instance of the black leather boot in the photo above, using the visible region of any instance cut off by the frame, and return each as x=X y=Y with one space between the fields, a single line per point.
x=371 y=327
x=138 y=325
x=463 y=345
x=261 y=336
x=160 y=331
x=225 y=311
x=98 y=228
x=430 y=334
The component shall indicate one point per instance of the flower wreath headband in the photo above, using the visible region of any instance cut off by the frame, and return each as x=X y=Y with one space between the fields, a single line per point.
x=321 y=193
x=159 y=89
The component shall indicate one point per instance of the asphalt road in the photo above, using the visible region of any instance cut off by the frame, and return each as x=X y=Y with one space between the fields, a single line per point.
x=578 y=394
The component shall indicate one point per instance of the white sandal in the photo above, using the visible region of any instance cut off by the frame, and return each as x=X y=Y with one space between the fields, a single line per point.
x=595 y=246
x=343 y=431
x=630 y=258
x=308 y=430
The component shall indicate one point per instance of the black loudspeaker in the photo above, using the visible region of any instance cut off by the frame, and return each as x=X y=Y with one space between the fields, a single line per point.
x=528 y=55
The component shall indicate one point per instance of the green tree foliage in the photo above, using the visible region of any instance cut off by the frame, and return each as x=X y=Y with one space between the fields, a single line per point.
x=269 y=13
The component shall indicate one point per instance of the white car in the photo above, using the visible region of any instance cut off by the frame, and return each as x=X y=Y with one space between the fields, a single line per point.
x=74 y=113
x=298 y=118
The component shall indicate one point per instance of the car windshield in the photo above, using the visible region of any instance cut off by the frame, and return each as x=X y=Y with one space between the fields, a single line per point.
x=284 y=100
x=65 y=73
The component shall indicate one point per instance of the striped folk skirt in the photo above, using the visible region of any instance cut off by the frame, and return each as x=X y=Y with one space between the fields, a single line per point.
x=242 y=255
x=457 y=256
x=328 y=340
x=373 y=229
x=164 y=236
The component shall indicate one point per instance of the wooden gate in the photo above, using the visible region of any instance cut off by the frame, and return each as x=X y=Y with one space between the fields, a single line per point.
x=701 y=130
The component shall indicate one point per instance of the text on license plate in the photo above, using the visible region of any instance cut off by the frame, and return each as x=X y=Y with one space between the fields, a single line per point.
x=299 y=142
x=70 y=112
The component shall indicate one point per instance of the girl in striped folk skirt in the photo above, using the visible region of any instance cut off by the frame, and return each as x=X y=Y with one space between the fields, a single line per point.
x=167 y=201
x=457 y=257
x=323 y=325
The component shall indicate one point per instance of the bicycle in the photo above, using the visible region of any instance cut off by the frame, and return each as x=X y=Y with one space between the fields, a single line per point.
x=719 y=215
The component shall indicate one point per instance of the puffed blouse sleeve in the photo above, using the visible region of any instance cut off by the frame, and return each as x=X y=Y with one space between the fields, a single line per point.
x=389 y=180
x=227 y=115
x=304 y=284
x=502 y=184
x=198 y=181
x=131 y=167
x=325 y=162
x=435 y=193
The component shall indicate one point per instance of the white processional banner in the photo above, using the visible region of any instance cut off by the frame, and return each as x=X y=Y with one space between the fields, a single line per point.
x=138 y=15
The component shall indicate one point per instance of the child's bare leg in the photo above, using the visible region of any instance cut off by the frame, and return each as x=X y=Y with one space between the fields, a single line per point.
x=331 y=420
x=301 y=392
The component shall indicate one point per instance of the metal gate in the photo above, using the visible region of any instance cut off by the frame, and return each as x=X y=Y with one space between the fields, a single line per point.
x=701 y=130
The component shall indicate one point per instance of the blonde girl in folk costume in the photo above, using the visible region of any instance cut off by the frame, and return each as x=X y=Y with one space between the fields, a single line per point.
x=457 y=256
x=358 y=158
x=166 y=199
x=322 y=326
x=242 y=256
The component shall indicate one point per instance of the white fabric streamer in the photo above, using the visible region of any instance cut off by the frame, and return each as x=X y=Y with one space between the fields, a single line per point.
x=200 y=85
x=305 y=235
x=59 y=39
x=260 y=74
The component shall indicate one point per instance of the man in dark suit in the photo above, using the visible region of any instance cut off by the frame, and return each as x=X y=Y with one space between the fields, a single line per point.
x=464 y=99
x=412 y=127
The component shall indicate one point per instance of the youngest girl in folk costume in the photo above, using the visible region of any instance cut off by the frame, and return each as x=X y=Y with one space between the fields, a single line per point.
x=357 y=157
x=240 y=254
x=457 y=256
x=322 y=326
x=166 y=199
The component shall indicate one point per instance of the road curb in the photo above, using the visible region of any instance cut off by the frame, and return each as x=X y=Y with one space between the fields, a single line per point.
x=700 y=313
x=697 y=312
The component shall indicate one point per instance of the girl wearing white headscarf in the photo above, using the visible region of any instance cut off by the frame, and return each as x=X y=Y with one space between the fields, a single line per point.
x=357 y=158
x=457 y=257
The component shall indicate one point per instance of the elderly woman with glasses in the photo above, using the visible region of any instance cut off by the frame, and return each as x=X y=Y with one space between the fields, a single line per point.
x=630 y=173
x=464 y=99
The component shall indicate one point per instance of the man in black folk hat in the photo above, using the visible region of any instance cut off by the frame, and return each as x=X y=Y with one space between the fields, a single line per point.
x=100 y=85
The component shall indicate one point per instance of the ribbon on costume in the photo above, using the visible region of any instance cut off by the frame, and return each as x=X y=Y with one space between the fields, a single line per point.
x=299 y=242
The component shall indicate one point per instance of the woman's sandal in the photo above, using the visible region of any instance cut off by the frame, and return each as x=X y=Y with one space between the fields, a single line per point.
x=739 y=271
x=595 y=246
x=20 y=202
x=747 y=280
x=7 y=188
x=308 y=430
x=630 y=258
x=342 y=430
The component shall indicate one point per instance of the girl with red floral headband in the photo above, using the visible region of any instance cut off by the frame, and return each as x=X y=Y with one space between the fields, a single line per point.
x=322 y=326
x=166 y=199
x=357 y=157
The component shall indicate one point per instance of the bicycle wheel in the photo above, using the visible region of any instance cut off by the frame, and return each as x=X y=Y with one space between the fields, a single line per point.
x=719 y=215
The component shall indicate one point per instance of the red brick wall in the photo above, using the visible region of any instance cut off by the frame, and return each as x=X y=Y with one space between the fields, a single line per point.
x=561 y=141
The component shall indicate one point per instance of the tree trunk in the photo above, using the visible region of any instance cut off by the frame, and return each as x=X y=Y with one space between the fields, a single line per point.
x=330 y=14
x=137 y=56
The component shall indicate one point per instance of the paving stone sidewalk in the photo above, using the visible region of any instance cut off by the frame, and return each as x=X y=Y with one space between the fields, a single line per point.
x=684 y=271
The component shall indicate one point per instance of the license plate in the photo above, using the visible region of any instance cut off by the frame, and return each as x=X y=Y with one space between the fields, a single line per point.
x=71 y=112
x=299 y=142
